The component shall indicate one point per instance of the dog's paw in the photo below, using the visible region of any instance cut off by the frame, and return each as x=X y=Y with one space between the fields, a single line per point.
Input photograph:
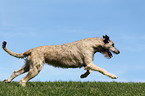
x=23 y=84
x=114 y=77
x=6 y=81
x=83 y=76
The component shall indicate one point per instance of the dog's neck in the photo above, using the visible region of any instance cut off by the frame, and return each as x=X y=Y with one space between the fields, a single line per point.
x=98 y=45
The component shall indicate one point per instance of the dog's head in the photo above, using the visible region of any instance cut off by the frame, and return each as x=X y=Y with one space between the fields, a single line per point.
x=108 y=47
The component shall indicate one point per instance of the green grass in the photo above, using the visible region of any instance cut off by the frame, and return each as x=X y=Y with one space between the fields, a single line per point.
x=73 y=89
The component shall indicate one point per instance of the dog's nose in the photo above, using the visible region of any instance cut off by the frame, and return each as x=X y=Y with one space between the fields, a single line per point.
x=118 y=52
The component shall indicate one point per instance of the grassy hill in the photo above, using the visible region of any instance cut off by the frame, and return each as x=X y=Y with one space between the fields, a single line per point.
x=73 y=89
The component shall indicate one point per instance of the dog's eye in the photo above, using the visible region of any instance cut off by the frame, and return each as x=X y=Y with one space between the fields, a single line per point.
x=112 y=44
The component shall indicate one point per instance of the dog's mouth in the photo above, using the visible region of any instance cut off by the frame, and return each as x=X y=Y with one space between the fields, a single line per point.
x=108 y=54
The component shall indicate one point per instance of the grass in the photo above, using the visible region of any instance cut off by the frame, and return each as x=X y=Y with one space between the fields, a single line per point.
x=73 y=89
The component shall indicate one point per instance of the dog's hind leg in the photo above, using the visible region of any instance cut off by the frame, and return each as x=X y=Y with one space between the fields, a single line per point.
x=85 y=74
x=35 y=68
x=24 y=69
x=101 y=70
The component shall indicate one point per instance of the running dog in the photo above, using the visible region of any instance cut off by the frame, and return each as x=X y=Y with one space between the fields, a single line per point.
x=69 y=55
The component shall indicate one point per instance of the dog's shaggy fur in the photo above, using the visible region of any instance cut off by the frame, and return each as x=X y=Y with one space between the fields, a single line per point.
x=70 y=55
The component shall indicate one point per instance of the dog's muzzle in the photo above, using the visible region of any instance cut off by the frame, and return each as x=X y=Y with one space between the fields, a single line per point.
x=114 y=50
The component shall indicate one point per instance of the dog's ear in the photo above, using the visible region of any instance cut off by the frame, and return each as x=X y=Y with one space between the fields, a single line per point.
x=106 y=39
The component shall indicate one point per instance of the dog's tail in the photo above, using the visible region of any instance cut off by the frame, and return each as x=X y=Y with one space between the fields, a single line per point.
x=22 y=55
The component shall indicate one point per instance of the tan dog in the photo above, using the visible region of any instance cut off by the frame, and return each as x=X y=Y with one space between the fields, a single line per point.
x=70 y=55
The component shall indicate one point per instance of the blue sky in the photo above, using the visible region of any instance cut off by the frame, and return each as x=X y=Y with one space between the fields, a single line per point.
x=27 y=24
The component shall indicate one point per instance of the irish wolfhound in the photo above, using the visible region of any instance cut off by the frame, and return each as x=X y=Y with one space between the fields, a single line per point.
x=69 y=55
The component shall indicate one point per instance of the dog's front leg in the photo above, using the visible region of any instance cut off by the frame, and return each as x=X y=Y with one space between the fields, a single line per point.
x=101 y=70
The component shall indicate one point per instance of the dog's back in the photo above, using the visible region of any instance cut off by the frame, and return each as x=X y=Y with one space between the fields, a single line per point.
x=66 y=55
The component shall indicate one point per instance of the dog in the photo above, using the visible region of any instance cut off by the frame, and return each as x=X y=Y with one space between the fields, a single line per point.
x=70 y=55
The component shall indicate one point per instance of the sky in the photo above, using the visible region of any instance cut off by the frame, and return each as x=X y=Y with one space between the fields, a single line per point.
x=27 y=24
